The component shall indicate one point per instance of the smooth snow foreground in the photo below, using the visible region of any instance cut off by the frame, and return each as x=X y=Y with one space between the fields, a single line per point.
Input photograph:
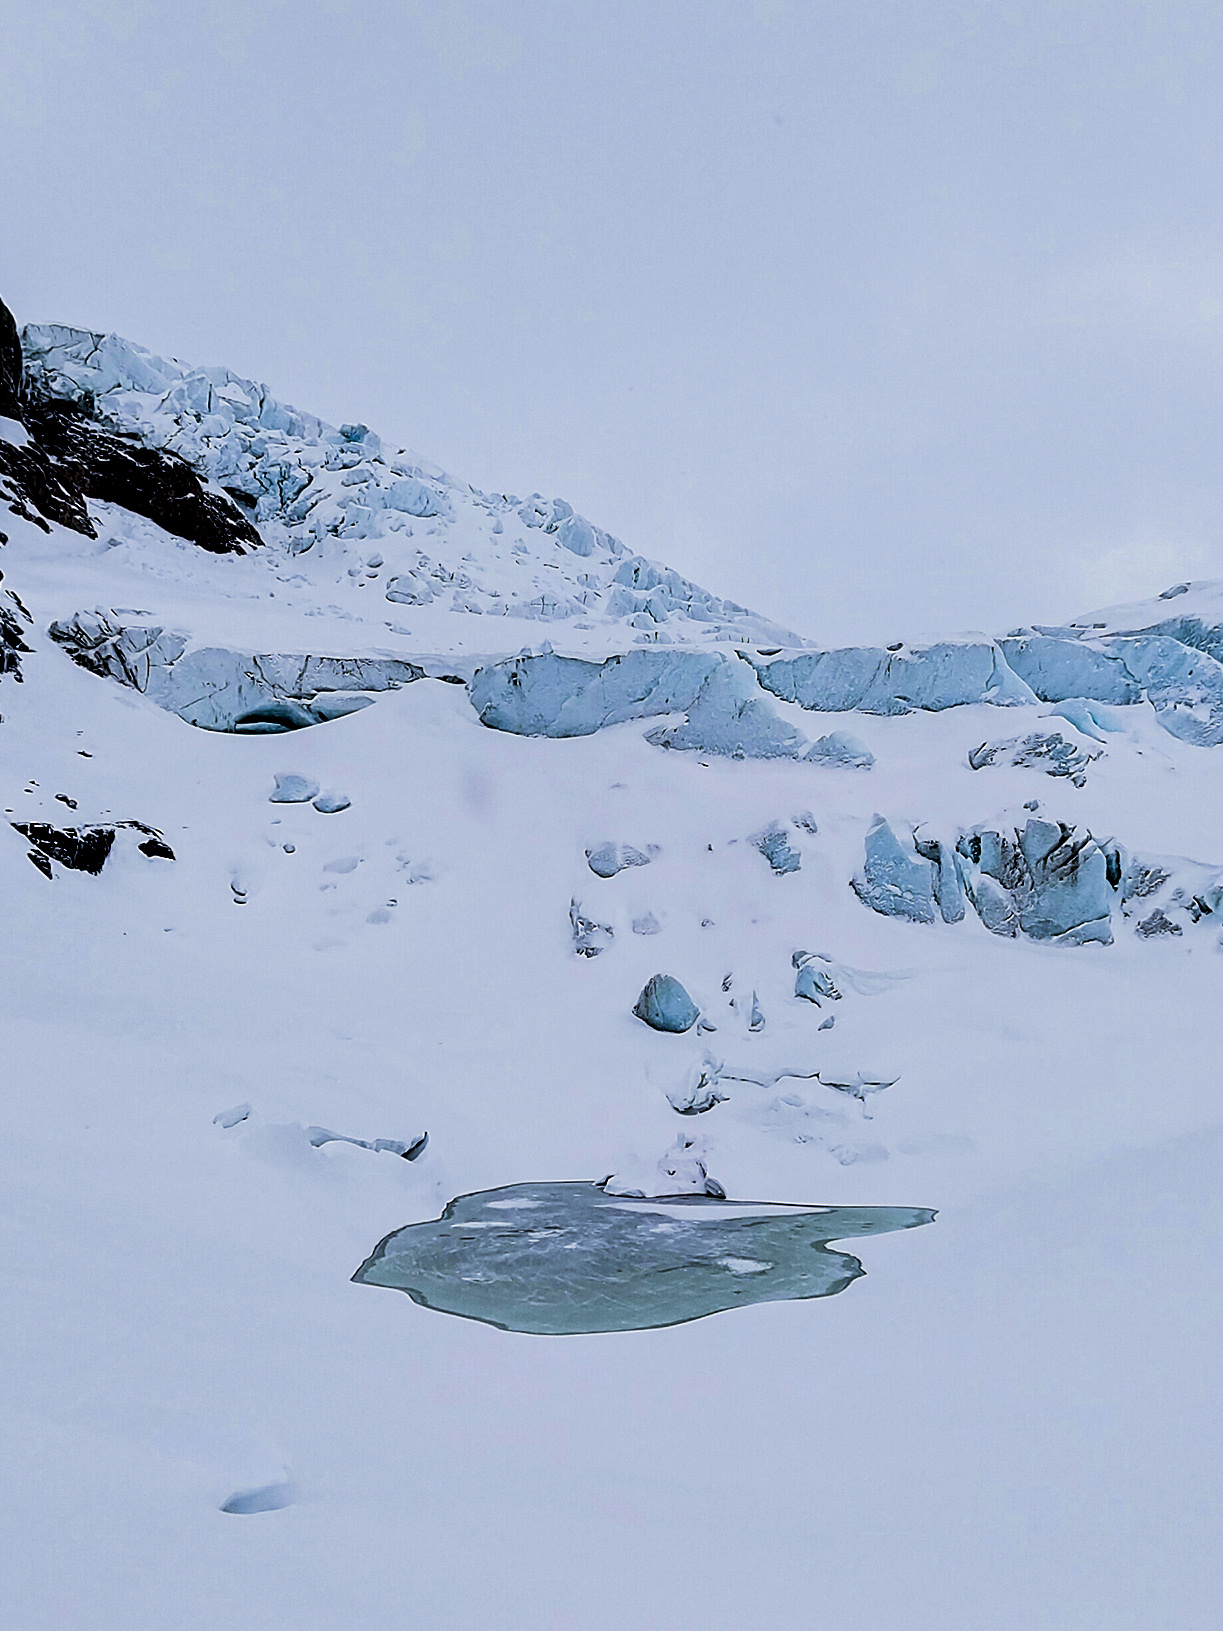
x=349 y=938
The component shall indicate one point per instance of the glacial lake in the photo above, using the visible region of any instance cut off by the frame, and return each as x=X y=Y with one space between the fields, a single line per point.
x=563 y=1259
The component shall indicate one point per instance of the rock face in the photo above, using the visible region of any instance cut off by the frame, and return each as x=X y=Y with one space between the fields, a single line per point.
x=664 y=1005
x=153 y=482
x=87 y=849
x=10 y=366
x=70 y=457
x=558 y=1259
x=221 y=690
x=12 y=642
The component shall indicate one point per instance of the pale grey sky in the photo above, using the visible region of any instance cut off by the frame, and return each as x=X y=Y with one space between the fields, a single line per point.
x=883 y=316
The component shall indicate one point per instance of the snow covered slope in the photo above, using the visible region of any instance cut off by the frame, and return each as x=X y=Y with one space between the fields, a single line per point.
x=305 y=856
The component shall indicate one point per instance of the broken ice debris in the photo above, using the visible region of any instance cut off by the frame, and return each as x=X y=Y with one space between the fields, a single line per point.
x=331 y=803
x=1047 y=751
x=555 y=1259
x=813 y=981
x=841 y=750
x=664 y=1005
x=410 y=1150
x=774 y=845
x=293 y=789
x=605 y=860
x=647 y=924
x=699 y=1091
x=589 y=936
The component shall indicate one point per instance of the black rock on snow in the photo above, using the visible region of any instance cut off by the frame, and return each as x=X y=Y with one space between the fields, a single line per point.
x=70 y=457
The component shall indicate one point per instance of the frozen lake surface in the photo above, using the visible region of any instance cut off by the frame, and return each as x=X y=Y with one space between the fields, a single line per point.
x=567 y=1258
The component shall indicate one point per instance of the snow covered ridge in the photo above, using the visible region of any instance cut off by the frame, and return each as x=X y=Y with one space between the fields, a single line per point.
x=337 y=492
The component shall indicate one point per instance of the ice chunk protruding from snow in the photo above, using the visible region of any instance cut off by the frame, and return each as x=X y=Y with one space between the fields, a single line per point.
x=664 y=1005
x=774 y=844
x=224 y=690
x=840 y=749
x=894 y=879
x=293 y=789
x=605 y=860
x=1058 y=883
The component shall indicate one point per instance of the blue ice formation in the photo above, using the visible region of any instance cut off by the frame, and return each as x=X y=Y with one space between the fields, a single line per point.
x=222 y=690
x=1183 y=684
x=1042 y=881
x=1057 y=668
x=774 y=844
x=813 y=980
x=293 y=789
x=605 y=860
x=840 y=749
x=547 y=695
x=332 y=803
x=664 y=1005
x=1091 y=719
x=557 y=1259
x=894 y=879
x=732 y=718
x=875 y=681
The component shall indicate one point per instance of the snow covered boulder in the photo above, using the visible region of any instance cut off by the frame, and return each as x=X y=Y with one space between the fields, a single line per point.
x=664 y=1005
x=605 y=860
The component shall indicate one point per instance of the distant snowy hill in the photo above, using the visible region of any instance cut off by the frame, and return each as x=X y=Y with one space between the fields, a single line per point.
x=297 y=870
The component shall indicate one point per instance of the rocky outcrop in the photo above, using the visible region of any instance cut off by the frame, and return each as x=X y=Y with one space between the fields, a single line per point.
x=10 y=366
x=69 y=456
x=87 y=849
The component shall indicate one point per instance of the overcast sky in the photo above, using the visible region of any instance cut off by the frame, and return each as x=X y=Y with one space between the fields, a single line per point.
x=886 y=317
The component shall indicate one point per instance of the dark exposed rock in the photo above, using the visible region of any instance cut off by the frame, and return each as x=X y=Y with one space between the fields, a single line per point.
x=86 y=849
x=12 y=646
x=153 y=482
x=10 y=365
x=82 y=849
x=70 y=457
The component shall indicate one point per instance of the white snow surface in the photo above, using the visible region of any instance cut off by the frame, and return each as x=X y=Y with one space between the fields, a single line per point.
x=1010 y=1422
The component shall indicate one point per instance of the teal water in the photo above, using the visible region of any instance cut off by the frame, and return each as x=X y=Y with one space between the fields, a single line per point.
x=560 y=1259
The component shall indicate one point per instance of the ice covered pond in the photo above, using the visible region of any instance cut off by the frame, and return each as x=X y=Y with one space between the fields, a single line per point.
x=560 y=1259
